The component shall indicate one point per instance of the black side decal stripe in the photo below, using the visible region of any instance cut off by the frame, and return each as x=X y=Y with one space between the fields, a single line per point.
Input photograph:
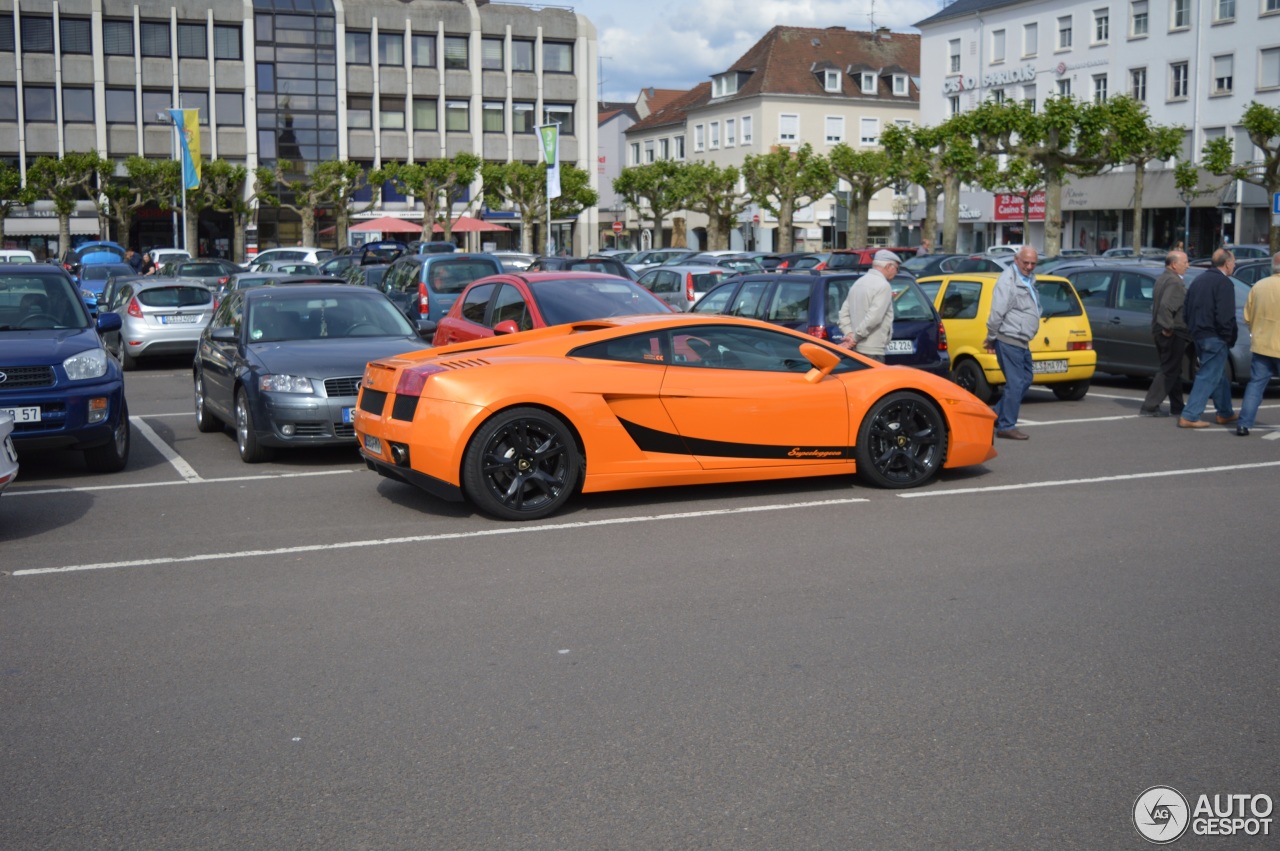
x=652 y=440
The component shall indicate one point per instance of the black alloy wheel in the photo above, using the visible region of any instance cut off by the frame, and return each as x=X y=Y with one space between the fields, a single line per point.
x=902 y=441
x=523 y=464
x=969 y=375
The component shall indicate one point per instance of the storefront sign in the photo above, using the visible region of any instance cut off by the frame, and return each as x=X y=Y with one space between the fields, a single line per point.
x=1025 y=74
x=967 y=213
x=1009 y=208
x=954 y=85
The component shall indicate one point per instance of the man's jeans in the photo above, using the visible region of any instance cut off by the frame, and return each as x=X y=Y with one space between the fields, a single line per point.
x=1264 y=366
x=1015 y=363
x=1211 y=380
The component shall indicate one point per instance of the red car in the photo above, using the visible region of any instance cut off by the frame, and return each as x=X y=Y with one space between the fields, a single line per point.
x=505 y=304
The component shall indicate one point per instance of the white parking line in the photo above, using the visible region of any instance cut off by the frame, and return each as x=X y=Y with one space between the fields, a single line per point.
x=447 y=536
x=1062 y=482
x=199 y=481
x=179 y=463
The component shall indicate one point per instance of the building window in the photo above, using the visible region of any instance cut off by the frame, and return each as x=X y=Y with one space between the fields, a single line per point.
x=77 y=105
x=1270 y=6
x=1222 y=74
x=391 y=113
x=561 y=113
x=834 y=129
x=455 y=54
x=197 y=100
x=1029 y=97
x=230 y=108
x=746 y=129
x=1101 y=26
x=37 y=34
x=954 y=104
x=76 y=37
x=154 y=38
x=491 y=50
x=1064 y=33
x=997 y=95
x=1138 y=18
x=831 y=80
x=1180 y=15
x=714 y=135
x=8 y=103
x=1138 y=84
x=38 y=103
x=1178 y=80
x=7 y=45
x=699 y=137
x=997 y=46
x=664 y=149
x=1064 y=88
x=521 y=55
x=155 y=106
x=730 y=132
x=424 y=51
x=523 y=118
x=359 y=112
x=953 y=50
x=1030 y=39
x=648 y=151
x=635 y=153
x=679 y=147
x=226 y=42
x=192 y=43
x=868 y=82
x=1224 y=10
x=391 y=49
x=1269 y=68
x=788 y=127
x=869 y=131
x=900 y=84
x=121 y=106
x=557 y=57
x=426 y=114
x=493 y=115
x=457 y=116
x=1099 y=88
x=117 y=38
x=359 y=49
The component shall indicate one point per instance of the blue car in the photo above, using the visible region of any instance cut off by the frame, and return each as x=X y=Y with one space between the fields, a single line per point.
x=57 y=381
x=93 y=278
x=92 y=252
x=811 y=303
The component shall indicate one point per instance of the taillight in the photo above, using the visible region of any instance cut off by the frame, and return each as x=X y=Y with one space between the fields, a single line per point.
x=820 y=266
x=423 y=306
x=688 y=287
x=942 y=337
x=223 y=281
x=784 y=264
x=135 y=309
x=1080 y=346
x=413 y=379
x=819 y=331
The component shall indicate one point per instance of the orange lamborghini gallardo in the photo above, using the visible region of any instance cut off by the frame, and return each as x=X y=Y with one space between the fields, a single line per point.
x=518 y=424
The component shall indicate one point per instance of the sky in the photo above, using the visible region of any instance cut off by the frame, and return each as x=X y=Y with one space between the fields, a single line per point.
x=676 y=44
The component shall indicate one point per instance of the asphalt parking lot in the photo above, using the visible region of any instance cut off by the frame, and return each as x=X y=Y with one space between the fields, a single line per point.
x=299 y=654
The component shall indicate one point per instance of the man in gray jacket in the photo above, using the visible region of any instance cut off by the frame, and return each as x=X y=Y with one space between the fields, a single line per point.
x=1014 y=320
x=866 y=317
x=1169 y=327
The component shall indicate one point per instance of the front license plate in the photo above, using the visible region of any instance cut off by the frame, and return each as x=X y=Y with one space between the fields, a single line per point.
x=900 y=347
x=348 y=415
x=178 y=320
x=1048 y=366
x=24 y=415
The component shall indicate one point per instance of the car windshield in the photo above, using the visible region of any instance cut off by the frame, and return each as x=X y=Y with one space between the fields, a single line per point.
x=278 y=316
x=174 y=296
x=579 y=299
x=452 y=276
x=30 y=302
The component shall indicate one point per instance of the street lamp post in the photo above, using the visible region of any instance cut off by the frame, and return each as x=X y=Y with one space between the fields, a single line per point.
x=1187 y=198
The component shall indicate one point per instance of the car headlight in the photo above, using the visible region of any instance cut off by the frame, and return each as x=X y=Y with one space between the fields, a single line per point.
x=88 y=294
x=285 y=384
x=91 y=363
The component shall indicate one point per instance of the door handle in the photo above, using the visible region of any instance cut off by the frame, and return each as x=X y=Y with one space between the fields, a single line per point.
x=1115 y=320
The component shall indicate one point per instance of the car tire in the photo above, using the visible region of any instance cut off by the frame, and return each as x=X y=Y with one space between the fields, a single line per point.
x=902 y=441
x=113 y=455
x=1071 y=391
x=127 y=361
x=251 y=451
x=970 y=375
x=523 y=464
x=206 y=422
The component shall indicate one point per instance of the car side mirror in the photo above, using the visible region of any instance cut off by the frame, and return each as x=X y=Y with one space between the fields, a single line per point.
x=108 y=322
x=824 y=360
x=223 y=335
x=507 y=326
x=426 y=328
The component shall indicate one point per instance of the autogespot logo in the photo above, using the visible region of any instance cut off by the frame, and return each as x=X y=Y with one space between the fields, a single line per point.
x=1160 y=814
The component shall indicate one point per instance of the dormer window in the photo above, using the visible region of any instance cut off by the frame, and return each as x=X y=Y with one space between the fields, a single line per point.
x=831 y=80
x=900 y=84
x=868 y=83
x=728 y=83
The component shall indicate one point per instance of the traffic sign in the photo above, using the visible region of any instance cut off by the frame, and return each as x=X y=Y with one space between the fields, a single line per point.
x=1275 y=204
x=755 y=220
x=617 y=227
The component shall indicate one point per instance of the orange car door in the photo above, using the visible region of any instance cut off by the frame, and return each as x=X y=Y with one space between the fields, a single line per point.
x=739 y=398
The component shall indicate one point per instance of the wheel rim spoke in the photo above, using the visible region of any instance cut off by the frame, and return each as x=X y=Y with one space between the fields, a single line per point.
x=524 y=465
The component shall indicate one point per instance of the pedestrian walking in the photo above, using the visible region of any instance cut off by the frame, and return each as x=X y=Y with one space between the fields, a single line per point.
x=1262 y=315
x=1014 y=320
x=866 y=317
x=1169 y=328
x=1211 y=321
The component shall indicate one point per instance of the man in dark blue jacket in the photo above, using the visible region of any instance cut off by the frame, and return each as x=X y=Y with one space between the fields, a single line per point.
x=1210 y=309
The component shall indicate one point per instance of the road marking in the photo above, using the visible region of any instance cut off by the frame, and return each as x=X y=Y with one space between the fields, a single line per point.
x=179 y=463
x=258 y=478
x=1095 y=480
x=444 y=536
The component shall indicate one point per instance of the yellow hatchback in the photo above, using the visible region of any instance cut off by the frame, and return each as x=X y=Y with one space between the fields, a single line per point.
x=1062 y=351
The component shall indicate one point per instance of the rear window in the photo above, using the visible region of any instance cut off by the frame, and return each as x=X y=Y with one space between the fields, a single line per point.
x=89 y=250
x=908 y=302
x=706 y=281
x=201 y=270
x=847 y=261
x=1057 y=298
x=175 y=296
x=452 y=276
x=562 y=301
x=102 y=271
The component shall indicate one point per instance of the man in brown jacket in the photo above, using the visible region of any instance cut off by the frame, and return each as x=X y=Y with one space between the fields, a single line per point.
x=1169 y=327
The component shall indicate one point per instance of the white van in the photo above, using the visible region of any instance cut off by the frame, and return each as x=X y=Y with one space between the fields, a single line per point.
x=14 y=255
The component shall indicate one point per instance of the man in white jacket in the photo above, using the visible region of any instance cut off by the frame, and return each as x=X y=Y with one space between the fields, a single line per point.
x=866 y=317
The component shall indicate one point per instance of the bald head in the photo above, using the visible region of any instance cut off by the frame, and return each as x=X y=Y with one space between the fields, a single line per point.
x=1026 y=259
x=1221 y=258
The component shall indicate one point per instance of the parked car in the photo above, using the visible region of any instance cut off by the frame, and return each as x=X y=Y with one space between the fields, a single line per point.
x=810 y=303
x=432 y=247
x=244 y=280
x=382 y=251
x=1003 y=250
x=980 y=263
x=622 y=255
x=655 y=256
x=300 y=253
x=1245 y=251
x=160 y=316
x=91 y=252
x=16 y=255
x=599 y=265
x=339 y=264
x=514 y=261
x=425 y=286
x=681 y=286
x=62 y=388
x=507 y=303
x=367 y=276
x=1252 y=271
x=160 y=256
x=1118 y=301
x=1147 y=251
x=520 y=424
x=8 y=454
x=93 y=279
x=923 y=265
x=287 y=267
x=859 y=259
x=282 y=364
x=1062 y=351
x=209 y=271
x=732 y=263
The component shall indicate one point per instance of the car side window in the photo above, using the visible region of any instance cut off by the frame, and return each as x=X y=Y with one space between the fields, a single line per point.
x=475 y=302
x=747 y=302
x=743 y=349
x=510 y=306
x=1134 y=291
x=960 y=300
x=790 y=302
x=908 y=302
x=1092 y=287
x=1057 y=299
x=122 y=296
x=715 y=301
x=637 y=348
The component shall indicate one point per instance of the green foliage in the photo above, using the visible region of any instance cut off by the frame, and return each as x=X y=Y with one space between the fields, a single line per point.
x=1262 y=123
x=783 y=181
x=713 y=191
x=437 y=184
x=867 y=172
x=524 y=185
x=652 y=185
x=66 y=182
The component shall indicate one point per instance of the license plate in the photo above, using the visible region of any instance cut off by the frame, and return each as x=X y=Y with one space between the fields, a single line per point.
x=24 y=415
x=1048 y=366
x=178 y=320
x=900 y=347
x=348 y=415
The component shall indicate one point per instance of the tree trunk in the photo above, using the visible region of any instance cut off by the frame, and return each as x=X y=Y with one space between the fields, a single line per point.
x=858 y=222
x=929 y=227
x=786 y=238
x=951 y=213
x=1139 y=181
x=1052 y=215
x=239 y=222
x=64 y=232
x=191 y=224
x=124 y=224
x=658 y=216
x=679 y=238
